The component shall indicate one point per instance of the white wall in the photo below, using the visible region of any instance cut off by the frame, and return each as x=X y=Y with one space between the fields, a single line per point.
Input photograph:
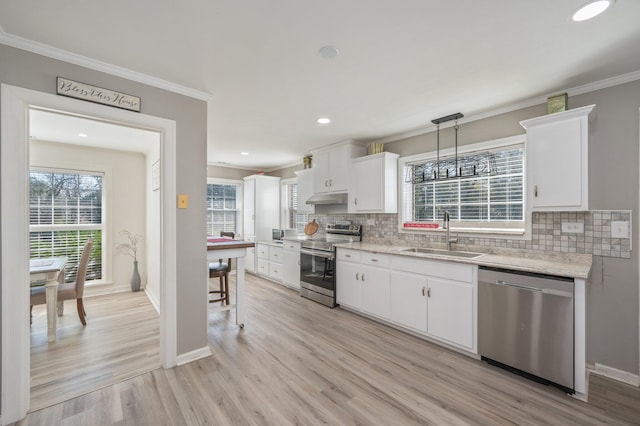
x=124 y=186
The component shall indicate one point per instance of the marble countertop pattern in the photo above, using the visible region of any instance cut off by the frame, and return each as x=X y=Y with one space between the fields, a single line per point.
x=570 y=265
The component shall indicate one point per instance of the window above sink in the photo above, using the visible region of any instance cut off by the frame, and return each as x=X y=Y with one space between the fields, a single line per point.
x=491 y=202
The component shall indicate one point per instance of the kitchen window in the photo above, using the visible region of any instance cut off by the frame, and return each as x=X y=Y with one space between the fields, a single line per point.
x=223 y=206
x=488 y=197
x=292 y=219
x=65 y=210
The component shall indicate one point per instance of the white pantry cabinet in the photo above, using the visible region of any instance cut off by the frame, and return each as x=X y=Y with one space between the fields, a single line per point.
x=260 y=213
x=373 y=185
x=291 y=264
x=557 y=156
x=261 y=206
x=331 y=167
x=305 y=190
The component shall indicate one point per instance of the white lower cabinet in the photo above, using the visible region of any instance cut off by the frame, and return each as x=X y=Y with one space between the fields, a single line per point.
x=450 y=311
x=363 y=282
x=408 y=301
x=434 y=298
x=270 y=261
x=375 y=290
x=348 y=284
x=291 y=264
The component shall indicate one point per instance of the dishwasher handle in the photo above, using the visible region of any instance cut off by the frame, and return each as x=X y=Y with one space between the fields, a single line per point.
x=542 y=290
x=520 y=286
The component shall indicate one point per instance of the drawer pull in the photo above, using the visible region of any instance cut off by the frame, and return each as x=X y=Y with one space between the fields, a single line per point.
x=374 y=260
x=357 y=276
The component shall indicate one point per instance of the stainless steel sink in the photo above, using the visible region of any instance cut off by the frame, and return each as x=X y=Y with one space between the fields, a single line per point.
x=452 y=253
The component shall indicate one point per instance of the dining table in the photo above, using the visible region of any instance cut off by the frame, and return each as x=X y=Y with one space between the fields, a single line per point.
x=219 y=248
x=48 y=272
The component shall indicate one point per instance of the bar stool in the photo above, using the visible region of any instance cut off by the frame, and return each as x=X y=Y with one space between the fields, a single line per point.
x=221 y=270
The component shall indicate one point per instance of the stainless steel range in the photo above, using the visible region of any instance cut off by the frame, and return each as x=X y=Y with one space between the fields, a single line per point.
x=317 y=262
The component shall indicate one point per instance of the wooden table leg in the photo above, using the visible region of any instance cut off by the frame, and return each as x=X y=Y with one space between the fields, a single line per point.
x=240 y=291
x=51 y=290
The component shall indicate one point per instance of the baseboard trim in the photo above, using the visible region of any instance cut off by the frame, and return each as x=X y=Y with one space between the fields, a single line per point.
x=153 y=299
x=616 y=374
x=193 y=355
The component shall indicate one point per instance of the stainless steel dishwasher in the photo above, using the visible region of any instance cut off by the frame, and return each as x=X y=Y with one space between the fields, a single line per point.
x=525 y=322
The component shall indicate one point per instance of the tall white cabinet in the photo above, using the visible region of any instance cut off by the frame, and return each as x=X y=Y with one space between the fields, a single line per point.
x=557 y=153
x=261 y=210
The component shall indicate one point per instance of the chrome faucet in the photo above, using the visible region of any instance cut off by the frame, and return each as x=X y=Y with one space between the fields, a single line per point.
x=447 y=226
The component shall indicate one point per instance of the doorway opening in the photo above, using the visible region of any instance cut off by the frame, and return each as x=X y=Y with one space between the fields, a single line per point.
x=93 y=179
x=14 y=163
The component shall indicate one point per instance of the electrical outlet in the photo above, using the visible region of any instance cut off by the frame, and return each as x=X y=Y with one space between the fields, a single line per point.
x=572 y=227
x=371 y=222
x=619 y=229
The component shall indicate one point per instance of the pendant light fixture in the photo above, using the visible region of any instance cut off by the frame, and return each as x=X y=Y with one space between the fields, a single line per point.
x=437 y=122
x=455 y=167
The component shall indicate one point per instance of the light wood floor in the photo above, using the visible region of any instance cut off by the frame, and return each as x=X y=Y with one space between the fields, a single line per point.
x=120 y=341
x=297 y=362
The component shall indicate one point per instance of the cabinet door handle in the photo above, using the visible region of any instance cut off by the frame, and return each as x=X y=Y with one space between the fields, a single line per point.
x=362 y=277
x=326 y=183
x=429 y=292
x=357 y=276
x=355 y=201
x=423 y=291
x=535 y=190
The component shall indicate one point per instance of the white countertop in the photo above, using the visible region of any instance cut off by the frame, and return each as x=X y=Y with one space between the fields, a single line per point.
x=570 y=265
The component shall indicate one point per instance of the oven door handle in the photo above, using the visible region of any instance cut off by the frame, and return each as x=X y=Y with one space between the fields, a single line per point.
x=326 y=254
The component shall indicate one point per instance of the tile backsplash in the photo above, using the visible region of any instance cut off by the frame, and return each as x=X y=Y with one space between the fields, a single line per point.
x=588 y=232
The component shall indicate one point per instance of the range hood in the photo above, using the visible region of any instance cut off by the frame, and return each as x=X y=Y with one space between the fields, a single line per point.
x=331 y=198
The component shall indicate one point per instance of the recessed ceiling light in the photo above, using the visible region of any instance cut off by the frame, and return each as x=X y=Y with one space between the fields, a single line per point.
x=323 y=120
x=244 y=153
x=82 y=135
x=328 y=52
x=591 y=10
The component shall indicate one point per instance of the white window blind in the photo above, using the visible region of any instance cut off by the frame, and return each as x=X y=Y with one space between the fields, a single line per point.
x=222 y=208
x=65 y=210
x=295 y=220
x=492 y=198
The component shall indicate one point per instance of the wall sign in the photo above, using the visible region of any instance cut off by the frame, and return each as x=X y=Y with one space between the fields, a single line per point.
x=86 y=92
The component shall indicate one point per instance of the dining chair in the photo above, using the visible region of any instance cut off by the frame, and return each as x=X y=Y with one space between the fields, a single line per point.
x=221 y=270
x=68 y=291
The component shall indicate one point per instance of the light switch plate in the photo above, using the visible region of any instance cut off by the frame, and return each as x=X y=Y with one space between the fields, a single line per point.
x=572 y=227
x=619 y=229
x=183 y=201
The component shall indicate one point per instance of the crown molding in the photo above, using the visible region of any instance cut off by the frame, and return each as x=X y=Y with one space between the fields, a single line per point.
x=574 y=91
x=83 y=61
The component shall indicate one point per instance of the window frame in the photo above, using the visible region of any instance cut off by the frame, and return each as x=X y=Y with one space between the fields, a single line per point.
x=239 y=201
x=284 y=204
x=497 y=228
x=106 y=249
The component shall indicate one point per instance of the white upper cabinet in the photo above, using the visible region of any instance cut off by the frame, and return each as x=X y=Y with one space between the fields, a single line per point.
x=331 y=167
x=305 y=190
x=557 y=155
x=374 y=184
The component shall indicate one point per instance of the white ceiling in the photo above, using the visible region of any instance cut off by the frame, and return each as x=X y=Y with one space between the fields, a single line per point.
x=57 y=127
x=400 y=63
